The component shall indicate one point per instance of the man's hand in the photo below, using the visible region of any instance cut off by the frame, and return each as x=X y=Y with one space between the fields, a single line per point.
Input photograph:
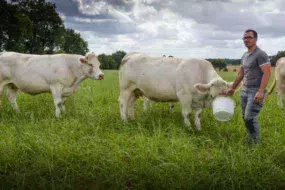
x=230 y=91
x=258 y=97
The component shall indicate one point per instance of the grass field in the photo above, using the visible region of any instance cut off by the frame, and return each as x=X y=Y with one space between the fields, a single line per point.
x=91 y=148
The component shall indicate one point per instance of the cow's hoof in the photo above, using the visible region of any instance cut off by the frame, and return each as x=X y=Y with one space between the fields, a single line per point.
x=189 y=128
x=198 y=128
x=187 y=123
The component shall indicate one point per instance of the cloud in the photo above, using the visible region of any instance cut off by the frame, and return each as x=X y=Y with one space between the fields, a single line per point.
x=100 y=27
x=194 y=28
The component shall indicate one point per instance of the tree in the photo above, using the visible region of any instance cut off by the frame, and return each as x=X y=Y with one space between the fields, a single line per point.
x=111 y=61
x=102 y=59
x=233 y=61
x=15 y=27
x=34 y=26
x=276 y=57
x=46 y=25
x=218 y=63
x=107 y=62
x=117 y=57
x=73 y=43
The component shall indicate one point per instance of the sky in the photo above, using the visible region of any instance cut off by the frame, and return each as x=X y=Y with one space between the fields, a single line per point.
x=181 y=28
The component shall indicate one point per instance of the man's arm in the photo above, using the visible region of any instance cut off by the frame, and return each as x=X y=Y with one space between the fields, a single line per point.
x=266 y=69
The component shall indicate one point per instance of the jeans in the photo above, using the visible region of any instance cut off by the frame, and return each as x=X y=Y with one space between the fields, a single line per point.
x=250 y=111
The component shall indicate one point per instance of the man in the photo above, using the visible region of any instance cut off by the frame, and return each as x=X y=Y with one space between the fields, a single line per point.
x=255 y=71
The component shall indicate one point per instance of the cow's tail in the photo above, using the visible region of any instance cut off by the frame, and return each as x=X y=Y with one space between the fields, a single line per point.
x=272 y=85
x=124 y=60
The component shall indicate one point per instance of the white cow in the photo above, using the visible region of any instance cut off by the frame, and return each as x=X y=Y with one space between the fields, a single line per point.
x=279 y=81
x=192 y=82
x=34 y=74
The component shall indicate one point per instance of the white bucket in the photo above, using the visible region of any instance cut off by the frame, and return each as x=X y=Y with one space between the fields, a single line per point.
x=223 y=108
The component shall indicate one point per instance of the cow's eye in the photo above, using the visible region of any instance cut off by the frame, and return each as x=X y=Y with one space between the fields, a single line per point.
x=90 y=64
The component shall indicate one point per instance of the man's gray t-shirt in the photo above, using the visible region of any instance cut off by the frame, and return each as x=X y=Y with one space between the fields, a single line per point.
x=251 y=64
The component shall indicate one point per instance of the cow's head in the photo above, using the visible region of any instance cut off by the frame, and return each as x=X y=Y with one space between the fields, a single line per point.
x=90 y=66
x=213 y=88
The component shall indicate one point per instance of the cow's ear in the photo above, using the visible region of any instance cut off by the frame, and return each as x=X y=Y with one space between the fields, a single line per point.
x=83 y=60
x=202 y=88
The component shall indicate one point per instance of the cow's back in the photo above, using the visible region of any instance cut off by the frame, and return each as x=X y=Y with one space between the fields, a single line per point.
x=135 y=65
x=35 y=73
x=40 y=64
x=138 y=66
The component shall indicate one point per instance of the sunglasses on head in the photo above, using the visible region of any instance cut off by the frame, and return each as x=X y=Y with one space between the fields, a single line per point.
x=248 y=37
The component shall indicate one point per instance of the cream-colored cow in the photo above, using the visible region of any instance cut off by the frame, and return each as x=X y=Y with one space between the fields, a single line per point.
x=279 y=81
x=192 y=82
x=34 y=74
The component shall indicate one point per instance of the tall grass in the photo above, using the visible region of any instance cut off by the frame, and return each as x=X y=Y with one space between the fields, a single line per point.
x=91 y=148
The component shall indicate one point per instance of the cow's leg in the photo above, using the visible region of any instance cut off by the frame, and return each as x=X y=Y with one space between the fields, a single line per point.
x=12 y=96
x=146 y=103
x=131 y=105
x=185 y=101
x=197 y=119
x=123 y=101
x=1 y=91
x=280 y=98
x=171 y=106
x=2 y=85
x=280 y=93
x=56 y=93
x=62 y=104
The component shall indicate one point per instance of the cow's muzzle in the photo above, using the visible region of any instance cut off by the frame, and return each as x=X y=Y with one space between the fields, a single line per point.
x=101 y=76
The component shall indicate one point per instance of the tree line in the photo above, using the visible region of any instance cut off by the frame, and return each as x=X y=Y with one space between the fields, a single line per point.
x=112 y=61
x=34 y=26
x=223 y=63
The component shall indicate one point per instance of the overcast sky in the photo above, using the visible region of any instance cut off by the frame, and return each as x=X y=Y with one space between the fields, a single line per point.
x=182 y=28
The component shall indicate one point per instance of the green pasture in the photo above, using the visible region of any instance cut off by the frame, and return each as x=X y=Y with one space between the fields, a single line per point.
x=91 y=148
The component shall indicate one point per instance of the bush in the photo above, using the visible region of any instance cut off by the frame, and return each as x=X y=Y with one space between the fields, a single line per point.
x=276 y=57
